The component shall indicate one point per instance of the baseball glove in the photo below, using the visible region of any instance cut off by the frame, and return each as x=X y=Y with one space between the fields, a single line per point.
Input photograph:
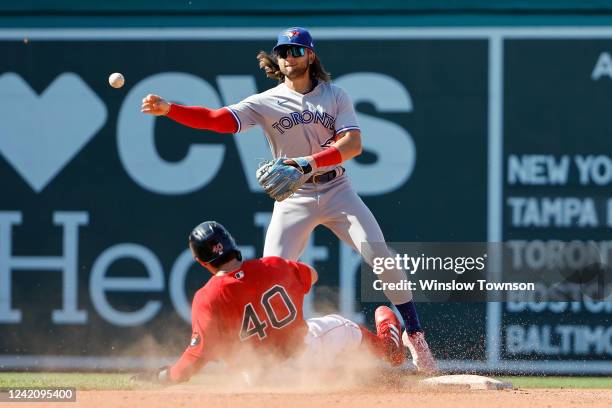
x=281 y=180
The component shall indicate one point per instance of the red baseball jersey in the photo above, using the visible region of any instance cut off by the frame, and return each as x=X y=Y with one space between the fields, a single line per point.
x=256 y=307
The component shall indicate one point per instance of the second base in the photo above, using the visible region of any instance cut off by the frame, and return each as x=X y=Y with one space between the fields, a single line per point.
x=474 y=382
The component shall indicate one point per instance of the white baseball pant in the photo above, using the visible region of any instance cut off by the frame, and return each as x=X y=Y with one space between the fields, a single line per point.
x=337 y=206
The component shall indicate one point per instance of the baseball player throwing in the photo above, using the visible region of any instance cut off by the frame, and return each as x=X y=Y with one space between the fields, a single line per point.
x=312 y=128
x=254 y=308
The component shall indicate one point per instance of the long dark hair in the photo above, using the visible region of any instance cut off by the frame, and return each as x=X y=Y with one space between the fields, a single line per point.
x=269 y=64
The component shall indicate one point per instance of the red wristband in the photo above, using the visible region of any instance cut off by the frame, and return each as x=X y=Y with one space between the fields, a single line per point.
x=328 y=157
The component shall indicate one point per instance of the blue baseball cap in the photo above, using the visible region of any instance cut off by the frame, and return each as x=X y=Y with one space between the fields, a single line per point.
x=295 y=36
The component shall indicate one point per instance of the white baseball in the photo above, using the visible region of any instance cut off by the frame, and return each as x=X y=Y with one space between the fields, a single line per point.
x=116 y=80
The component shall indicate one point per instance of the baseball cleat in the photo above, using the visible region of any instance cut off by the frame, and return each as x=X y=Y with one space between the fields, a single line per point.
x=422 y=358
x=388 y=330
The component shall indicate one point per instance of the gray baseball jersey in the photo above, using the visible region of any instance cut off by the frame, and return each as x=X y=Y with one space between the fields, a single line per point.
x=300 y=125
x=296 y=124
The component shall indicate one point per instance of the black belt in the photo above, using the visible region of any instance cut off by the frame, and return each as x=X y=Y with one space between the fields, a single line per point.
x=325 y=177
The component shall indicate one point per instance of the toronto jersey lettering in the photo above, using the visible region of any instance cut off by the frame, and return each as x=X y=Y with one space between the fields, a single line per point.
x=296 y=124
x=306 y=117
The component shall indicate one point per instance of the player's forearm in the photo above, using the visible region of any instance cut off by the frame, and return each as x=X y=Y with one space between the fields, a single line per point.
x=349 y=145
x=199 y=117
x=186 y=367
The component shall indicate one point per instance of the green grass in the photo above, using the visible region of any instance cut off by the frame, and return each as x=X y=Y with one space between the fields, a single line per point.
x=559 y=382
x=81 y=381
x=106 y=381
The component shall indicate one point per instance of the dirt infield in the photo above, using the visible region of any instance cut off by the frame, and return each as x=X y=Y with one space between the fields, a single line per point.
x=194 y=396
x=218 y=387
